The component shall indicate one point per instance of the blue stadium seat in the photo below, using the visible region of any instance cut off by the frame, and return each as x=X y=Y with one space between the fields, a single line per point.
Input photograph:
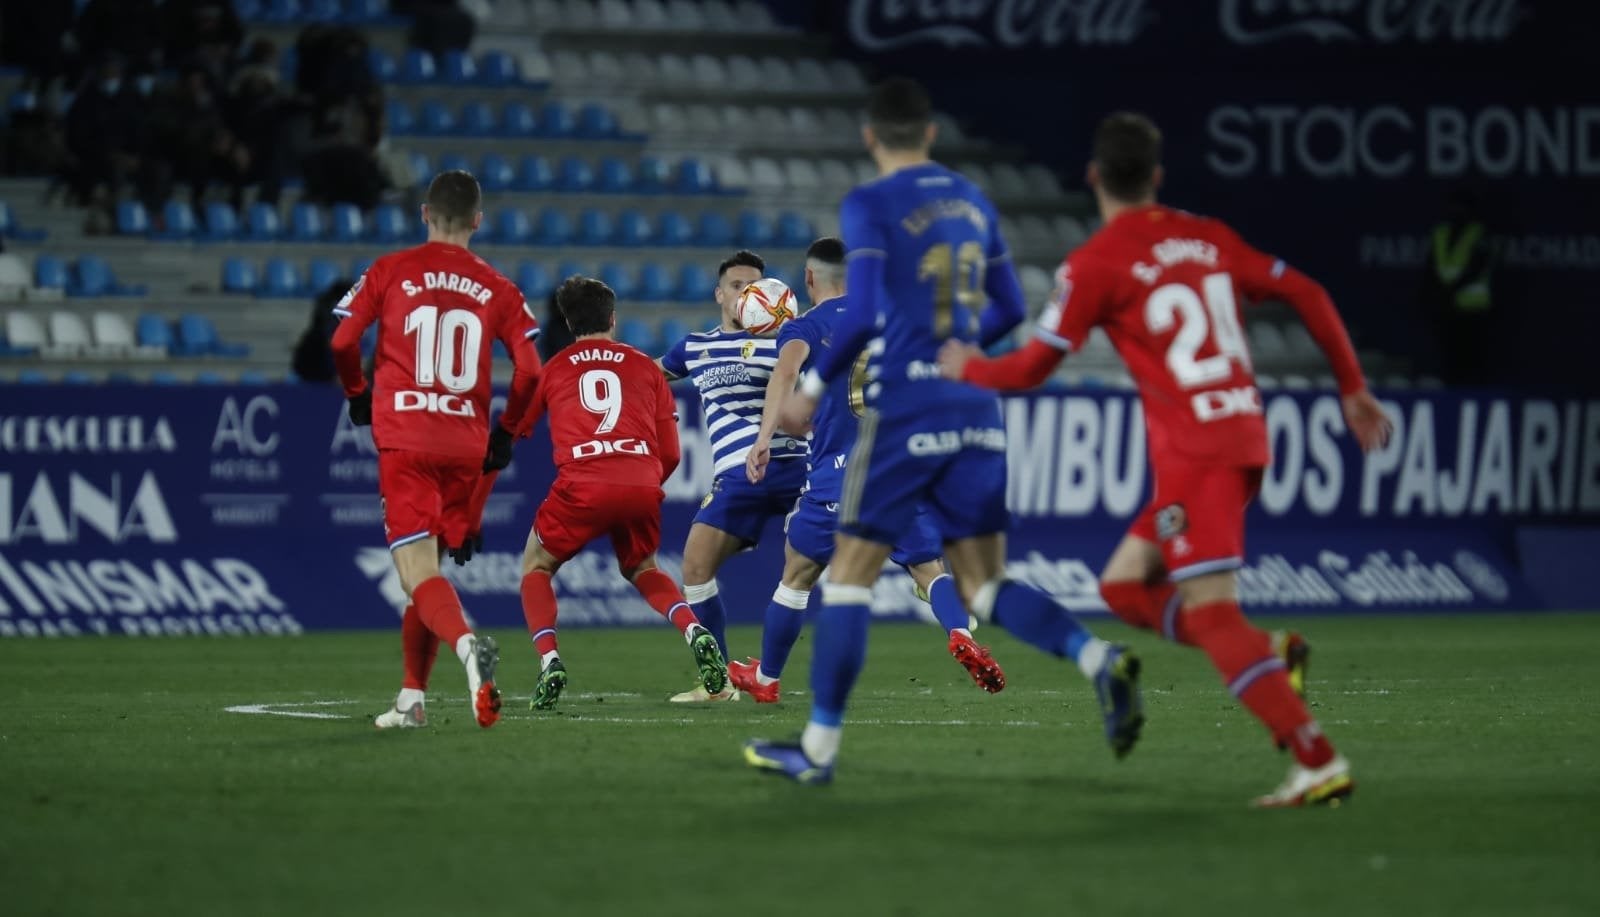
x=638 y=334
x=177 y=221
x=417 y=68
x=618 y=279
x=320 y=10
x=252 y=377
x=421 y=167
x=238 y=276
x=33 y=377
x=535 y=174
x=322 y=273
x=196 y=336
x=497 y=68
x=10 y=229
x=674 y=229
x=347 y=224
x=596 y=122
x=458 y=68
x=305 y=223
x=518 y=120
x=615 y=177
x=279 y=11
x=495 y=173
x=695 y=177
x=7 y=221
x=478 y=120
x=358 y=267
x=450 y=162
x=280 y=279
x=389 y=224
x=513 y=227
x=132 y=220
x=555 y=227
x=402 y=120
x=262 y=223
x=754 y=230
x=778 y=273
x=382 y=64
x=713 y=230
x=574 y=175
x=673 y=331
x=361 y=11
x=49 y=272
x=164 y=377
x=153 y=331
x=77 y=377
x=655 y=283
x=120 y=379
x=91 y=276
x=435 y=119
x=794 y=231
x=633 y=229
x=208 y=377
x=534 y=281
x=556 y=120
x=651 y=175
x=570 y=268
x=695 y=283
x=594 y=228
x=222 y=223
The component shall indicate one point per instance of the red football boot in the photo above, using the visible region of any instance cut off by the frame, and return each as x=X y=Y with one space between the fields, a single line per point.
x=979 y=664
x=743 y=677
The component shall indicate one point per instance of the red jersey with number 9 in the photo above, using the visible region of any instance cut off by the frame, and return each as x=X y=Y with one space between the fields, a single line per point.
x=1166 y=286
x=438 y=308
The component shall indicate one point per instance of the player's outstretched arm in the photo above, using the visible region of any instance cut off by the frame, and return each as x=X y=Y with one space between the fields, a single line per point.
x=518 y=333
x=670 y=450
x=780 y=385
x=1024 y=368
x=356 y=311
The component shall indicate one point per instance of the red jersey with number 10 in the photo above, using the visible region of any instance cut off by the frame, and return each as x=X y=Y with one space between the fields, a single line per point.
x=438 y=308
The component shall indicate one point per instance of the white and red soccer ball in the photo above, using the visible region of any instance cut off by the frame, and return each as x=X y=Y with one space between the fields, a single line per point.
x=765 y=305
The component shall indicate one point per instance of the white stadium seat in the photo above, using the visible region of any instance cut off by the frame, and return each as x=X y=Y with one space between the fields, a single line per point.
x=771 y=122
x=667 y=118
x=617 y=14
x=836 y=174
x=1267 y=343
x=1301 y=346
x=14 y=275
x=546 y=14
x=704 y=120
x=766 y=175
x=804 y=123
x=606 y=69
x=570 y=69
x=1297 y=383
x=686 y=16
x=650 y=14
x=709 y=73
x=810 y=75
x=978 y=174
x=802 y=175
x=1267 y=383
x=719 y=16
x=1041 y=181
x=866 y=170
x=1036 y=283
x=23 y=329
x=1036 y=236
x=731 y=173
x=640 y=69
x=112 y=332
x=505 y=15
x=949 y=131
x=1070 y=232
x=68 y=331
x=579 y=14
x=754 y=18
x=776 y=75
x=675 y=71
x=846 y=76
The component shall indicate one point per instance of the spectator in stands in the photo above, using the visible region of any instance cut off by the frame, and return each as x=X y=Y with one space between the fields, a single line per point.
x=106 y=136
x=438 y=26
x=193 y=137
x=127 y=29
x=258 y=114
x=200 y=32
x=36 y=36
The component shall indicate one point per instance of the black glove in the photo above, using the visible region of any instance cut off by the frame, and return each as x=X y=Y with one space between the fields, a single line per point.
x=473 y=545
x=499 y=455
x=361 y=408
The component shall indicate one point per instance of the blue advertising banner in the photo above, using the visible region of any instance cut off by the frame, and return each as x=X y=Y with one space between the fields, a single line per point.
x=242 y=511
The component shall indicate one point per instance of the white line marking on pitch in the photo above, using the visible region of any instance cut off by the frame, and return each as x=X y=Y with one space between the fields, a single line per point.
x=268 y=709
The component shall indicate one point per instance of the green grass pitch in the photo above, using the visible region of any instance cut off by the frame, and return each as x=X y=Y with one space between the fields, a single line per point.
x=126 y=788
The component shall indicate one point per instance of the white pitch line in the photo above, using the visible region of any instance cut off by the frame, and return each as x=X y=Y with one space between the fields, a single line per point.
x=266 y=709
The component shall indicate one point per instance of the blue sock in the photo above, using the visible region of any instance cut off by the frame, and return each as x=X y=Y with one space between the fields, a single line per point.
x=1034 y=618
x=710 y=612
x=785 y=615
x=841 y=639
x=946 y=602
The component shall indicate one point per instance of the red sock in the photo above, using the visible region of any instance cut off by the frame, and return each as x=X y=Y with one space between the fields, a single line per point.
x=539 y=610
x=419 y=647
x=1255 y=675
x=1152 y=606
x=440 y=610
x=664 y=596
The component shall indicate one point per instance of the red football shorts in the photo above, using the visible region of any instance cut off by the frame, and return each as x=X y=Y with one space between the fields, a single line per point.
x=1197 y=516
x=427 y=494
x=577 y=512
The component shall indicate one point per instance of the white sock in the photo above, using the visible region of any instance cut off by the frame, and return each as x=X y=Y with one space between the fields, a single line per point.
x=464 y=649
x=691 y=632
x=820 y=743
x=1093 y=657
x=762 y=678
x=963 y=632
x=410 y=697
x=547 y=658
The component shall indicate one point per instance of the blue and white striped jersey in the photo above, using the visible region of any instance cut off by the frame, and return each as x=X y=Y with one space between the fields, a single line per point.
x=731 y=369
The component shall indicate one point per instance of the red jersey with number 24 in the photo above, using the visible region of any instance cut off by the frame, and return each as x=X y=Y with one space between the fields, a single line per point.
x=1166 y=286
x=438 y=308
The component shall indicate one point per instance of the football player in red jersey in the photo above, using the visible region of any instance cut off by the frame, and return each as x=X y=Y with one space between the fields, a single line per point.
x=1165 y=285
x=614 y=432
x=438 y=307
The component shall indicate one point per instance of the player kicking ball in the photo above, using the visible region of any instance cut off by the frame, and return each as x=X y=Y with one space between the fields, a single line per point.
x=815 y=520
x=1165 y=285
x=437 y=306
x=927 y=264
x=614 y=430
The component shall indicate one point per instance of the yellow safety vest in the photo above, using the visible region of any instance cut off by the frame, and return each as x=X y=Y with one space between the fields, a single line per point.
x=1450 y=262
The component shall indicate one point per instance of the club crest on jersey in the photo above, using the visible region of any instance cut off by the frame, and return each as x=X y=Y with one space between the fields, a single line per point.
x=1171 y=521
x=748 y=350
x=708 y=498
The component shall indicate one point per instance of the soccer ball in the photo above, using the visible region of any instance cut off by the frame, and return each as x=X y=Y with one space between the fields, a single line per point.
x=765 y=305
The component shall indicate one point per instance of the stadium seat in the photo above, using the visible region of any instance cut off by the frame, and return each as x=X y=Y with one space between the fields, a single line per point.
x=222 y=223
x=238 y=276
x=347 y=224
x=77 y=377
x=389 y=224
x=513 y=227
x=794 y=231
x=570 y=268
x=91 y=276
x=24 y=331
x=458 y=68
x=496 y=173
x=594 y=228
x=534 y=281
x=1300 y=343
x=674 y=229
x=781 y=274
x=382 y=64
x=321 y=274
x=164 y=377
x=68 y=331
x=14 y=277
x=401 y=119
x=280 y=279
x=1267 y=343
x=695 y=177
x=802 y=175
x=33 y=377
x=673 y=331
x=454 y=162
x=177 y=221
x=358 y=267
x=633 y=229
x=252 y=377
x=651 y=176
x=556 y=120
x=49 y=273
x=574 y=175
x=754 y=230
x=262 y=223
x=497 y=68
x=535 y=65
x=713 y=230
x=695 y=283
x=766 y=175
x=360 y=11
x=655 y=284
x=321 y=10
x=534 y=173
x=618 y=279
x=111 y=332
x=518 y=120
x=153 y=331
x=555 y=227
x=10 y=229
x=208 y=377
x=615 y=177
x=195 y=337
x=132 y=220
x=435 y=119
x=417 y=68
x=478 y=119
x=637 y=334
x=596 y=122
x=305 y=223
x=120 y=379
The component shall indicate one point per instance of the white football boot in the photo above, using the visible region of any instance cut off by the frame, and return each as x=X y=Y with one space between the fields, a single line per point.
x=1327 y=785
x=413 y=717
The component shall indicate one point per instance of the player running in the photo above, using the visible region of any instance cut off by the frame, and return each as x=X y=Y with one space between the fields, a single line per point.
x=437 y=306
x=1165 y=284
x=614 y=431
x=812 y=525
x=927 y=264
x=730 y=368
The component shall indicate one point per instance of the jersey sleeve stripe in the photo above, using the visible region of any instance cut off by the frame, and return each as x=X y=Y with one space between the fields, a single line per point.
x=1049 y=337
x=1204 y=567
x=868 y=253
x=408 y=539
x=1278 y=267
x=1002 y=257
x=342 y=313
x=532 y=333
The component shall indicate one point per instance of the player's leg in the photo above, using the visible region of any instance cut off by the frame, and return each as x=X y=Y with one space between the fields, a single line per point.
x=781 y=626
x=418 y=649
x=938 y=587
x=565 y=522
x=704 y=552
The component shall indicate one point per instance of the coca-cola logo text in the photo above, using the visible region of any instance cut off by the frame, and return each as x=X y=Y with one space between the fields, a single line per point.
x=1259 y=22
x=885 y=25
